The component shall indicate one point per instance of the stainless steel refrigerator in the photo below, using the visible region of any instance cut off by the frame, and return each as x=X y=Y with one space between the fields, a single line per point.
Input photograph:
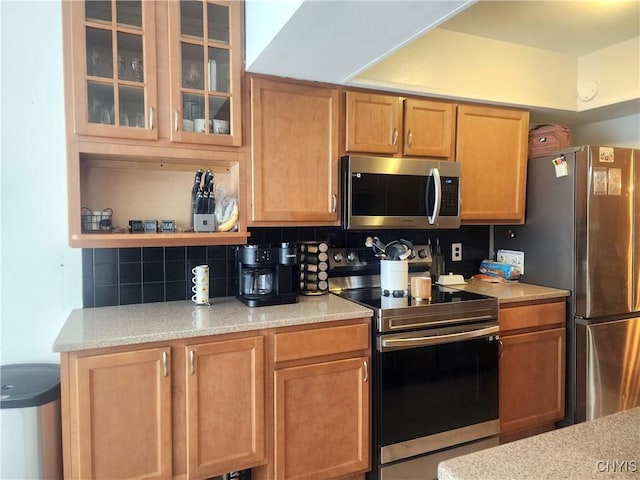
x=582 y=233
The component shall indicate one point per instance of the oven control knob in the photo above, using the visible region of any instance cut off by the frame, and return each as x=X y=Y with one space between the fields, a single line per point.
x=422 y=253
x=337 y=257
x=352 y=257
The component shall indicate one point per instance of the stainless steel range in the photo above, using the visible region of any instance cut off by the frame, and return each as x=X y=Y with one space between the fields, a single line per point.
x=434 y=367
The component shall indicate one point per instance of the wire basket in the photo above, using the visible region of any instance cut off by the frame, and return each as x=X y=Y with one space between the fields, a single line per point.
x=96 y=222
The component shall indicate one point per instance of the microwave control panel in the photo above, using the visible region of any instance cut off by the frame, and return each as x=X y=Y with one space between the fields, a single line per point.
x=450 y=196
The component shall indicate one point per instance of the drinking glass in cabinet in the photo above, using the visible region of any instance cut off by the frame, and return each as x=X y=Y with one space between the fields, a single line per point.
x=99 y=52
x=130 y=60
x=131 y=103
x=100 y=103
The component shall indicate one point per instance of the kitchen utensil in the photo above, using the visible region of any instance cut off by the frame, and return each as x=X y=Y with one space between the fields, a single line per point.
x=194 y=194
x=377 y=246
x=399 y=249
x=437 y=263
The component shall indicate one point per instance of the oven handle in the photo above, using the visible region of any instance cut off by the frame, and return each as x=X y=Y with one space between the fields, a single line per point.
x=411 y=342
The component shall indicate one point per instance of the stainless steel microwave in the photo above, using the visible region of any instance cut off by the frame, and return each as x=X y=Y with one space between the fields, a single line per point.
x=399 y=193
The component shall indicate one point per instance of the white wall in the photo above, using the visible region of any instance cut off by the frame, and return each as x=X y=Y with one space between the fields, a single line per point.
x=453 y=64
x=616 y=72
x=41 y=275
x=618 y=132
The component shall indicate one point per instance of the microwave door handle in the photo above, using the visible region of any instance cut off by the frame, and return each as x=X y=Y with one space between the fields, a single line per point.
x=435 y=173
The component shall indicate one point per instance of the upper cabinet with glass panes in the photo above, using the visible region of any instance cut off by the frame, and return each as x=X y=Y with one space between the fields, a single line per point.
x=206 y=66
x=114 y=68
x=125 y=61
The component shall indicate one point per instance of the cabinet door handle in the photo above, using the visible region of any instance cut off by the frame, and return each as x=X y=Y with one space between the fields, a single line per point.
x=500 y=348
x=410 y=138
x=192 y=362
x=165 y=366
x=175 y=119
x=151 y=119
x=335 y=203
x=394 y=137
x=366 y=372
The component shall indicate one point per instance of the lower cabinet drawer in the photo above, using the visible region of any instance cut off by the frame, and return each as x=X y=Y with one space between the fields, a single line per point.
x=532 y=316
x=319 y=342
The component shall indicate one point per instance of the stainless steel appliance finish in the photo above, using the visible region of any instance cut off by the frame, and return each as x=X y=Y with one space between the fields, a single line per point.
x=385 y=192
x=582 y=233
x=612 y=357
x=434 y=367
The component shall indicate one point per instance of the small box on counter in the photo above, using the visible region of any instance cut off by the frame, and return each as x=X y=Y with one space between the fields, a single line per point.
x=502 y=270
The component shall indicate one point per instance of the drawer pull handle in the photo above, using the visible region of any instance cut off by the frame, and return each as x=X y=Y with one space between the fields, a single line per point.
x=165 y=366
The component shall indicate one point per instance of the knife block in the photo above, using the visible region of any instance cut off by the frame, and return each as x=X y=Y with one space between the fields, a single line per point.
x=204 y=222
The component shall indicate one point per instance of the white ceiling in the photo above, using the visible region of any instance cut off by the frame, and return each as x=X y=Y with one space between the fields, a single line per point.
x=573 y=28
x=334 y=41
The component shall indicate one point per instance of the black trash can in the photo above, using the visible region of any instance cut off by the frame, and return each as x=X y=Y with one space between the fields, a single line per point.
x=30 y=421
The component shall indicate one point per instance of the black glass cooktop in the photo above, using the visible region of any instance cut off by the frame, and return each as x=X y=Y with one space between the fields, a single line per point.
x=374 y=298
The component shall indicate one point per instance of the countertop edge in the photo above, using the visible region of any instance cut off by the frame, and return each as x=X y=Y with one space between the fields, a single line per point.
x=105 y=327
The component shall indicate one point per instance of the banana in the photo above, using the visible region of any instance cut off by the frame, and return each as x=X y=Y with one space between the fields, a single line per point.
x=230 y=222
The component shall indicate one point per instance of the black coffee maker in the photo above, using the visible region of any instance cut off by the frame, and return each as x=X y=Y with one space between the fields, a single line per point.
x=266 y=274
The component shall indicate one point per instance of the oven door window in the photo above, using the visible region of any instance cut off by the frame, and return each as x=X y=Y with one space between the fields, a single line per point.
x=433 y=389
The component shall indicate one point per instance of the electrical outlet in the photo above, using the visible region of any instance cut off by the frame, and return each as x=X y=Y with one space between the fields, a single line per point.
x=456 y=252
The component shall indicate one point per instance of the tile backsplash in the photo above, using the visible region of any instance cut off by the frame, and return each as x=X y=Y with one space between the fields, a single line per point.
x=121 y=276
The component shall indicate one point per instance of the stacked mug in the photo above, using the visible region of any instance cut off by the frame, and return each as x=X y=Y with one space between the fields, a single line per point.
x=313 y=261
x=200 y=287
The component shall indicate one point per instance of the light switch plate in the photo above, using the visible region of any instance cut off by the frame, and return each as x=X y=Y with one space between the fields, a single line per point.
x=511 y=257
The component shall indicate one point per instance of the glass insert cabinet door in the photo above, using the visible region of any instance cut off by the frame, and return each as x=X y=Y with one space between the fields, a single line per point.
x=114 y=63
x=205 y=45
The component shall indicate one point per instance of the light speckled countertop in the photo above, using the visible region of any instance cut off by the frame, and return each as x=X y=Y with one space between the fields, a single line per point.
x=88 y=328
x=510 y=292
x=607 y=447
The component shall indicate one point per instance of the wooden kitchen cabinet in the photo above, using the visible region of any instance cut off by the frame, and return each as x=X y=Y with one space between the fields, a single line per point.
x=134 y=413
x=121 y=59
x=112 y=68
x=492 y=147
x=138 y=77
x=117 y=414
x=206 y=66
x=374 y=123
x=321 y=413
x=225 y=406
x=294 y=153
x=532 y=367
x=387 y=124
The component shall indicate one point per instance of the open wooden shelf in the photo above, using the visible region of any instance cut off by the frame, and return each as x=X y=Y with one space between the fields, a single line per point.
x=124 y=240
